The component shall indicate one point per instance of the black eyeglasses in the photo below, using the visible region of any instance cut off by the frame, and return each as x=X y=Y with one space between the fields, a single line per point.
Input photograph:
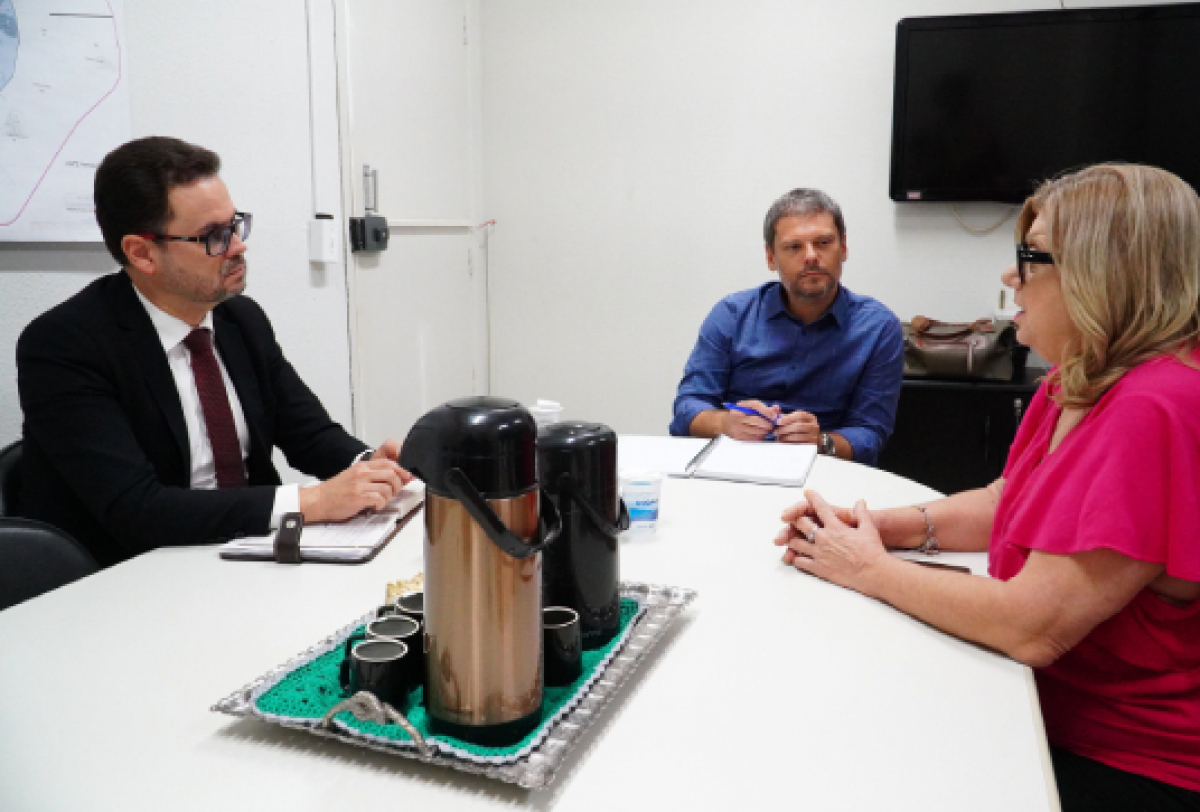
x=1026 y=256
x=215 y=240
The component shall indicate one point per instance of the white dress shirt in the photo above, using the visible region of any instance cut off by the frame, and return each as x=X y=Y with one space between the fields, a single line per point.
x=171 y=332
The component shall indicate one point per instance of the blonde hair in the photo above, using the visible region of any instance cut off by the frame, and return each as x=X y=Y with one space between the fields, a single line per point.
x=1126 y=243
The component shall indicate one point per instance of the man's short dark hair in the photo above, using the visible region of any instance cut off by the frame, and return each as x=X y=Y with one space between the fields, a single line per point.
x=133 y=181
x=802 y=202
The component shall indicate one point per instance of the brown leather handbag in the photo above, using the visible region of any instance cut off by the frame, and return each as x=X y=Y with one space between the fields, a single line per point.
x=980 y=350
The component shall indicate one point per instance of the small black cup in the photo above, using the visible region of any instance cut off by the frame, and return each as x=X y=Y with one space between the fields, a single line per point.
x=413 y=605
x=380 y=667
x=407 y=630
x=562 y=646
x=390 y=627
x=396 y=627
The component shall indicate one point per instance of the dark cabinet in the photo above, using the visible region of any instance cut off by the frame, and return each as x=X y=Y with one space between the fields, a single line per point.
x=955 y=435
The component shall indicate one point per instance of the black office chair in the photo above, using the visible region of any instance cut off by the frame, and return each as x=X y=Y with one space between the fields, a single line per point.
x=10 y=465
x=35 y=558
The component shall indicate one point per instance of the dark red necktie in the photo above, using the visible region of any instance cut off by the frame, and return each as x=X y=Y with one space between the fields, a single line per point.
x=218 y=416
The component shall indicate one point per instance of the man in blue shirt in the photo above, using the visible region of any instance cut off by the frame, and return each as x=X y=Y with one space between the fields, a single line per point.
x=804 y=359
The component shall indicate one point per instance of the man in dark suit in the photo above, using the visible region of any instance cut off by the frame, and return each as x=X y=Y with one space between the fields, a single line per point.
x=153 y=398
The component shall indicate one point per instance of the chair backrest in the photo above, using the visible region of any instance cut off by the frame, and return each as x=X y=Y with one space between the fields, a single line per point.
x=10 y=472
x=35 y=558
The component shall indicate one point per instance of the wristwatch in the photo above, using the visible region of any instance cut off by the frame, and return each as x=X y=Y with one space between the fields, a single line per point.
x=827 y=446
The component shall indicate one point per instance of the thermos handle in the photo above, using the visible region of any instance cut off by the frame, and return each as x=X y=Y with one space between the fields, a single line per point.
x=478 y=509
x=566 y=486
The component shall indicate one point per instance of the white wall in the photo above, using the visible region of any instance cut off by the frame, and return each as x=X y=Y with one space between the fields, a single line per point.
x=631 y=150
x=234 y=77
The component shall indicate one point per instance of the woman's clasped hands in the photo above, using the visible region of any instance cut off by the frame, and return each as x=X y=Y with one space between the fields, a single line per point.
x=836 y=544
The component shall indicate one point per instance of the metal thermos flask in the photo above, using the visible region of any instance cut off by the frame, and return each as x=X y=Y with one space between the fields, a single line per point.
x=577 y=463
x=485 y=528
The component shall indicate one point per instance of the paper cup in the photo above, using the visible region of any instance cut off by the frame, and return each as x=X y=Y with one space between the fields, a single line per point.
x=546 y=412
x=642 y=492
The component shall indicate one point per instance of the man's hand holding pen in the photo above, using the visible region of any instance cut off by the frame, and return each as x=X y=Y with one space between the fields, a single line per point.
x=798 y=427
x=749 y=420
x=754 y=420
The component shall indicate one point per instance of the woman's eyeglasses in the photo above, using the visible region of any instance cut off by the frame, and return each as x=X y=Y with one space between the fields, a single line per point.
x=1026 y=256
x=216 y=240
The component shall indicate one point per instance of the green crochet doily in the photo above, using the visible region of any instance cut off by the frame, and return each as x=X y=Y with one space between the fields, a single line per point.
x=309 y=691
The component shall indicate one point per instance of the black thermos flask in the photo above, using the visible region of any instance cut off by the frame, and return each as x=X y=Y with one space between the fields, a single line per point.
x=577 y=466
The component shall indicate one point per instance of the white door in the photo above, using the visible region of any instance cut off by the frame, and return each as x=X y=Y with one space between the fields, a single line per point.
x=418 y=309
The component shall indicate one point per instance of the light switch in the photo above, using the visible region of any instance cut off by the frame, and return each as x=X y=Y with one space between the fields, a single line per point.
x=323 y=239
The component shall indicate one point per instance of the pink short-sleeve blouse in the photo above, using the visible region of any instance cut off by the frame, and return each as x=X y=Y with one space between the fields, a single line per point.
x=1127 y=478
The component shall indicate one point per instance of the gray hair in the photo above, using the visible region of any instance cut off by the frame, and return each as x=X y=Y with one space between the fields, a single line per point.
x=802 y=202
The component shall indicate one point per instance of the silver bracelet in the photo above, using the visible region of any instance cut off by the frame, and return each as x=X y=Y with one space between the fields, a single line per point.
x=930 y=545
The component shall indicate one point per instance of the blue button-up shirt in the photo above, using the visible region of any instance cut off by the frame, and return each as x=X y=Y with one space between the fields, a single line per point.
x=845 y=368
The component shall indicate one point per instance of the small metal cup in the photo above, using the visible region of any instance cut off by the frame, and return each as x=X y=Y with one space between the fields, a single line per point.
x=562 y=646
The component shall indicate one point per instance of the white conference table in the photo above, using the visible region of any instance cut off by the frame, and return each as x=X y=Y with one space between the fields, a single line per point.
x=772 y=690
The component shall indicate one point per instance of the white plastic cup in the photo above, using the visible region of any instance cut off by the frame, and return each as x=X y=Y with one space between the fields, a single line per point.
x=546 y=412
x=642 y=492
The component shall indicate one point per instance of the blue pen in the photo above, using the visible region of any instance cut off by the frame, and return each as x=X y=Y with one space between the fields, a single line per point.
x=746 y=410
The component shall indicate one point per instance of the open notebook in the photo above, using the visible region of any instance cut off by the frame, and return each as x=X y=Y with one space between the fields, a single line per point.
x=759 y=462
x=765 y=463
x=352 y=541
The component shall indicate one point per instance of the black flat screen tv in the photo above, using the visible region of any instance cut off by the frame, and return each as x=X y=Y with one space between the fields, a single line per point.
x=989 y=105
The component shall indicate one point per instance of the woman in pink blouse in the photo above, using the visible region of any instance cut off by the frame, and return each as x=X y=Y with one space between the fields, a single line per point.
x=1093 y=532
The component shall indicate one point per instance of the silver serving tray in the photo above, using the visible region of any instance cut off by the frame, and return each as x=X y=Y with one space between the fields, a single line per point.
x=535 y=769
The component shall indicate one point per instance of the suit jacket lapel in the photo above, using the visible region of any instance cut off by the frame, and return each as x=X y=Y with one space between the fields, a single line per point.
x=146 y=347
